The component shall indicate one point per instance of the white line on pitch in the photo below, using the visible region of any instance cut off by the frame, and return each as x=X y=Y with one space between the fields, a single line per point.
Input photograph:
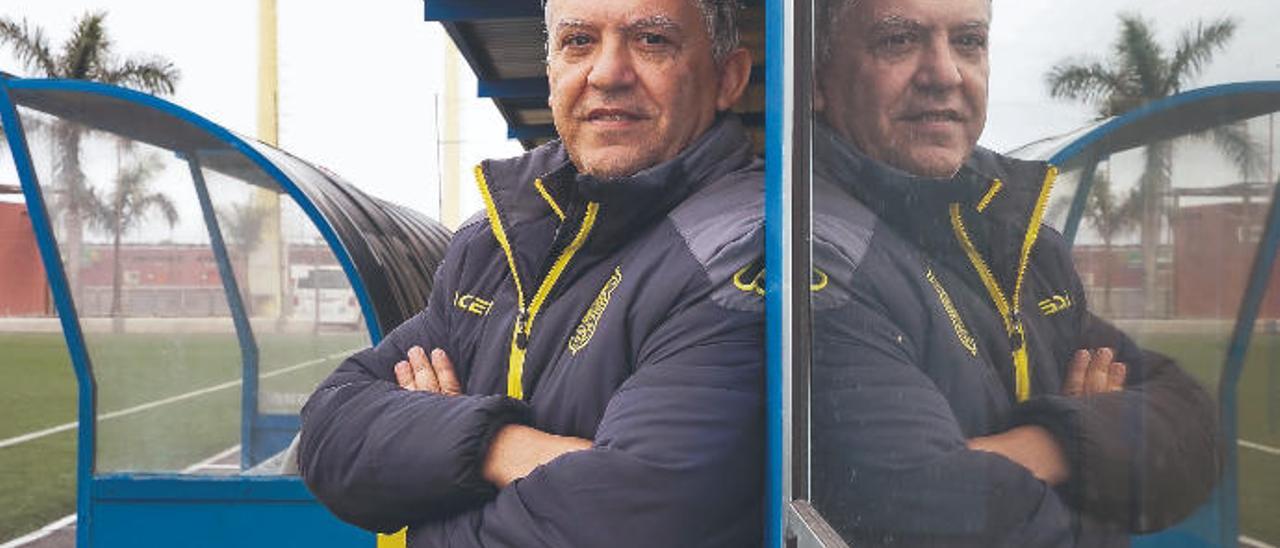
x=40 y=533
x=1259 y=447
x=152 y=405
x=209 y=461
x=1255 y=543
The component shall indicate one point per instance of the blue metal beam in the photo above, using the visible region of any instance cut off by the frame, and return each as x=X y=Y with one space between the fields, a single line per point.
x=514 y=88
x=239 y=316
x=475 y=10
x=87 y=388
x=531 y=132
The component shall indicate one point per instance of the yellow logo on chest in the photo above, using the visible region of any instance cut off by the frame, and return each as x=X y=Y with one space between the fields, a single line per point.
x=962 y=332
x=587 y=327
x=1055 y=304
x=472 y=304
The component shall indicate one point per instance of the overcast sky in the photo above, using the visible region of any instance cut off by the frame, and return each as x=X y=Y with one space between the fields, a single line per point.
x=360 y=80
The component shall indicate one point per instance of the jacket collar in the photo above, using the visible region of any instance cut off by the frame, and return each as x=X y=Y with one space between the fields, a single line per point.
x=999 y=190
x=626 y=203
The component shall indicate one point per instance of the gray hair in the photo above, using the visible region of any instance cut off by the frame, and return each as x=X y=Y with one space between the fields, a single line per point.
x=827 y=16
x=721 y=17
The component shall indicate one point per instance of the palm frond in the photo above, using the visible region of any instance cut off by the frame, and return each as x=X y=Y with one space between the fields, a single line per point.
x=29 y=46
x=1142 y=56
x=156 y=75
x=1090 y=82
x=87 y=48
x=1235 y=142
x=161 y=203
x=1195 y=48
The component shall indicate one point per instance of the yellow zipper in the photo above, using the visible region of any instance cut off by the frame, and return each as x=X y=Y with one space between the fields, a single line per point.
x=525 y=315
x=1010 y=311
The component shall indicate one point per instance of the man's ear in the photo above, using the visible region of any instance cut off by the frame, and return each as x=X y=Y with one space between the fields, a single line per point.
x=735 y=74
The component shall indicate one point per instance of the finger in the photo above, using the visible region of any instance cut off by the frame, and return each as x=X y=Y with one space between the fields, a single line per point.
x=1116 y=377
x=444 y=373
x=1095 y=381
x=423 y=376
x=1075 y=375
x=404 y=375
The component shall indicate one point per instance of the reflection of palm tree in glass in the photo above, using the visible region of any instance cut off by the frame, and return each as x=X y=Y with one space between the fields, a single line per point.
x=1140 y=73
x=243 y=225
x=1111 y=216
x=86 y=55
x=124 y=210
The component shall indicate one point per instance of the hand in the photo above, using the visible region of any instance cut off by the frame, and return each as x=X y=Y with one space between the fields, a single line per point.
x=1094 y=373
x=1032 y=447
x=429 y=375
x=516 y=450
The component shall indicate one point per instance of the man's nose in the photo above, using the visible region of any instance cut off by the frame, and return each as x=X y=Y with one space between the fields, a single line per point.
x=612 y=67
x=938 y=69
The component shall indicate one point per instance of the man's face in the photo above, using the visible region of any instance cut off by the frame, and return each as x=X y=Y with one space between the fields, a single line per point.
x=634 y=82
x=906 y=81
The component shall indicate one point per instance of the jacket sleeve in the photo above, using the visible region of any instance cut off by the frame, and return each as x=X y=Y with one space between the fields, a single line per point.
x=677 y=458
x=1145 y=457
x=353 y=450
x=890 y=462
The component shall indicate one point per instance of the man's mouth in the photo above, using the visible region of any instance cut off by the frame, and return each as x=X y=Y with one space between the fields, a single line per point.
x=933 y=116
x=614 y=115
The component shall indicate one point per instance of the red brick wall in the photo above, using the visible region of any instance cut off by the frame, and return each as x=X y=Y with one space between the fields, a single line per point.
x=1214 y=247
x=23 y=288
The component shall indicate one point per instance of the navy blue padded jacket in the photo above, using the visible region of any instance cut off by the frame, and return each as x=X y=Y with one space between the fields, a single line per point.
x=599 y=309
x=914 y=353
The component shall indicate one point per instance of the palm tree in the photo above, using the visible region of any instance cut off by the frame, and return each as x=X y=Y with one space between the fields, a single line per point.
x=1111 y=216
x=1139 y=73
x=243 y=225
x=130 y=203
x=86 y=55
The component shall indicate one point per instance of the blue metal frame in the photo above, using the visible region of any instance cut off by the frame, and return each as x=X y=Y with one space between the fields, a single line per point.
x=164 y=491
x=244 y=331
x=514 y=88
x=475 y=10
x=1226 y=497
x=775 y=258
x=238 y=144
x=87 y=387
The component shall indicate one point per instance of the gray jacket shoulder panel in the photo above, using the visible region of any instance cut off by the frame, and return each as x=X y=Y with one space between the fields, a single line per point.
x=723 y=228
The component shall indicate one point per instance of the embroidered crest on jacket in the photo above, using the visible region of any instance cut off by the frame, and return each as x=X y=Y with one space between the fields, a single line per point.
x=1055 y=304
x=587 y=327
x=962 y=332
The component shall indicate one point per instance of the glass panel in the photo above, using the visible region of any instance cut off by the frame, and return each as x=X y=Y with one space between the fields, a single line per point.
x=1258 y=417
x=147 y=289
x=159 y=322
x=39 y=392
x=303 y=310
x=919 y=367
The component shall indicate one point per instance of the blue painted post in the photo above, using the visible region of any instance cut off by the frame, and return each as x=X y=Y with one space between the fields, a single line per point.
x=1259 y=278
x=87 y=390
x=776 y=257
x=244 y=330
x=1080 y=201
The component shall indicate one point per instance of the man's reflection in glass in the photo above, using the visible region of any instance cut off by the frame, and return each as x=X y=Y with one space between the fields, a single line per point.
x=962 y=392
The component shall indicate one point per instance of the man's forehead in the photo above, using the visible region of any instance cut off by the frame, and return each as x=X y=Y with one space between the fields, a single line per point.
x=637 y=22
x=917 y=14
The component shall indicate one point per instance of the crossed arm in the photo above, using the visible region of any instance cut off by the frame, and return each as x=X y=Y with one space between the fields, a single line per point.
x=515 y=449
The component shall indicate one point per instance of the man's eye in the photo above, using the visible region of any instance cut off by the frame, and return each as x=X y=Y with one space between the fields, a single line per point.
x=971 y=42
x=575 y=41
x=651 y=39
x=896 y=42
